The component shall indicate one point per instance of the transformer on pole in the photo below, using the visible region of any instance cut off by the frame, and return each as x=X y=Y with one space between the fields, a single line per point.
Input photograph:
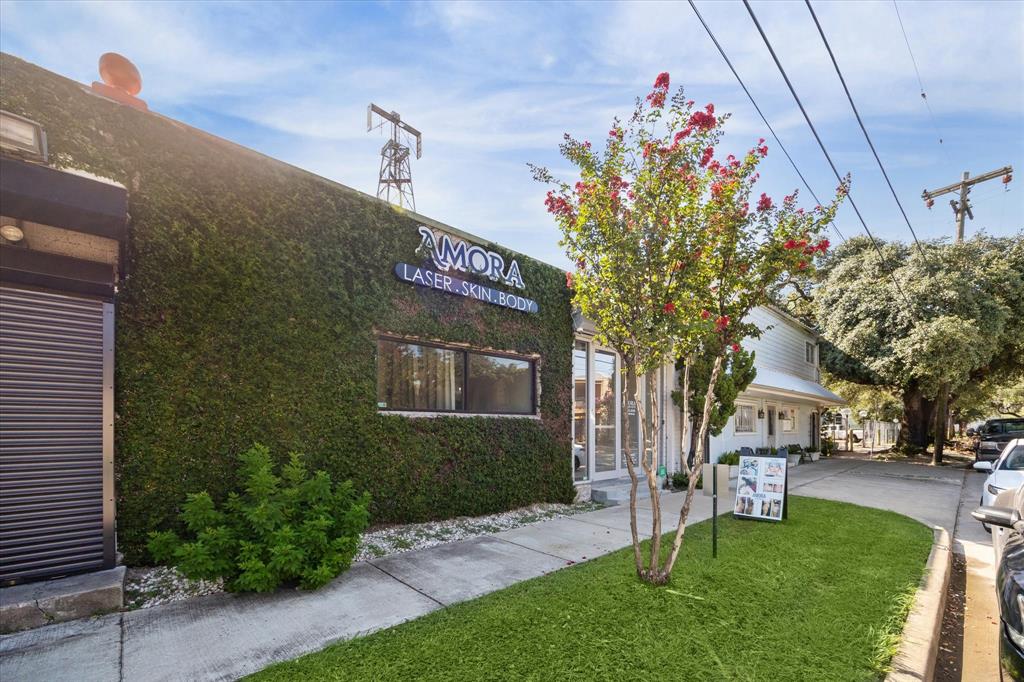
x=395 y=182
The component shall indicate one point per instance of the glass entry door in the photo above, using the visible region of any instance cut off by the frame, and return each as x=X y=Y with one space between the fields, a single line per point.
x=606 y=414
x=600 y=427
x=772 y=413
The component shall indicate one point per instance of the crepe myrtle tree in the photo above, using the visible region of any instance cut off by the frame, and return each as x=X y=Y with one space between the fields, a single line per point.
x=669 y=254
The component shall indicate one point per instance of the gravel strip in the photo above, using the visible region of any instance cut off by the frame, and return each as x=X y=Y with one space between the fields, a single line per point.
x=146 y=587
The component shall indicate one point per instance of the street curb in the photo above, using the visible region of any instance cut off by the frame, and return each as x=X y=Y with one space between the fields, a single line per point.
x=919 y=645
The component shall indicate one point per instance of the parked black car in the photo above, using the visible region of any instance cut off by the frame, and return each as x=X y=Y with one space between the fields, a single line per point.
x=1009 y=582
x=994 y=435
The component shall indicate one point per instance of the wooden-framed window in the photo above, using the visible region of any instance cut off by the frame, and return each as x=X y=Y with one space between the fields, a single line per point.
x=413 y=376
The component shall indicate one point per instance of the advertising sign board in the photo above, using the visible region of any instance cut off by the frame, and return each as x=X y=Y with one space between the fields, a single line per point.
x=761 y=488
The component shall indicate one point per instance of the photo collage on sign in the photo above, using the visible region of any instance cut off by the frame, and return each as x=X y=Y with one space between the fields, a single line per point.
x=761 y=488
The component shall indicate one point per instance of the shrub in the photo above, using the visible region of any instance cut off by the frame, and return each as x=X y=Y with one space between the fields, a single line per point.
x=731 y=458
x=295 y=527
x=795 y=448
x=680 y=481
x=828 y=446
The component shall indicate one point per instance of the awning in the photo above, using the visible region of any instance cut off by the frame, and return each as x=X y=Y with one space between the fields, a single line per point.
x=41 y=194
x=781 y=383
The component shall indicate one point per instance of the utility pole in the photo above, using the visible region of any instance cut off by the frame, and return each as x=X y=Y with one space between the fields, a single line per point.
x=962 y=209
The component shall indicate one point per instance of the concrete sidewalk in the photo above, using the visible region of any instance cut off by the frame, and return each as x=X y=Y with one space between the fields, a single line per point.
x=226 y=636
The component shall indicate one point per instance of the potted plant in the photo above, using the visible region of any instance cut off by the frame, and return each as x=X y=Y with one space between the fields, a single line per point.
x=795 y=454
x=732 y=459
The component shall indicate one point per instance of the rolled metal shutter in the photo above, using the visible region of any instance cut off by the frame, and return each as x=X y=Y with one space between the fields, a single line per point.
x=56 y=430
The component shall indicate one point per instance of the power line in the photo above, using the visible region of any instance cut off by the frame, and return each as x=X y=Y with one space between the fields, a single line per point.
x=824 y=151
x=924 y=96
x=761 y=114
x=863 y=129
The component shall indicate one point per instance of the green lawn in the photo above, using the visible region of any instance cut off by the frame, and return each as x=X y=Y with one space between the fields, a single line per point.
x=821 y=596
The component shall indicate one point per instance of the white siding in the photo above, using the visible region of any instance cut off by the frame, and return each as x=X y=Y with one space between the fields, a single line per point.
x=730 y=440
x=782 y=344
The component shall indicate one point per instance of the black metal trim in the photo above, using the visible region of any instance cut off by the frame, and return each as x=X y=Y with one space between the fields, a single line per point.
x=54 y=271
x=30 y=191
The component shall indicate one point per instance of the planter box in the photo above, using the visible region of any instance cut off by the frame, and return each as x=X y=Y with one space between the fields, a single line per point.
x=793 y=460
x=734 y=472
x=815 y=456
x=707 y=478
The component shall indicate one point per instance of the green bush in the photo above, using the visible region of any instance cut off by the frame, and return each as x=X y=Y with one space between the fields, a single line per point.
x=795 y=448
x=828 y=446
x=680 y=481
x=295 y=527
x=731 y=458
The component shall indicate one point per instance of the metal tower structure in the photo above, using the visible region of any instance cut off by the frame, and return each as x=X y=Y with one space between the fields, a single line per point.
x=395 y=170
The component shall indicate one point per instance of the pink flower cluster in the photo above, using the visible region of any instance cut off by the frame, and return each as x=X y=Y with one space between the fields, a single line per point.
x=705 y=120
x=706 y=157
x=764 y=203
x=657 y=98
x=558 y=205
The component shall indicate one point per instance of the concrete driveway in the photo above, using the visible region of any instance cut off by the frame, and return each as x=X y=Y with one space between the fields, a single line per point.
x=227 y=636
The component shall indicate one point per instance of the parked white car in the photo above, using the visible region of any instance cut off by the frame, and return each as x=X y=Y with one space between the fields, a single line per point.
x=1006 y=473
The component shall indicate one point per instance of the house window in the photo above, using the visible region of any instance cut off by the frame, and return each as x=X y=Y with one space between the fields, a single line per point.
x=789 y=421
x=427 y=378
x=744 y=419
x=811 y=353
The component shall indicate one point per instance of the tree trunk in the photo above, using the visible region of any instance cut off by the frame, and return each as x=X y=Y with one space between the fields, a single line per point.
x=698 y=460
x=941 y=417
x=629 y=391
x=918 y=414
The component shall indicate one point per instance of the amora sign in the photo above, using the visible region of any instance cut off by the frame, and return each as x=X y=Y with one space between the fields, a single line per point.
x=455 y=254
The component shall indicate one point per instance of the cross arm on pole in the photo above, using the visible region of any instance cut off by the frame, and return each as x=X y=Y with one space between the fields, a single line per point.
x=956 y=186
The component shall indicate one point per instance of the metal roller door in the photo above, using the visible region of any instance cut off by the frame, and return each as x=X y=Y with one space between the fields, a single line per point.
x=56 y=434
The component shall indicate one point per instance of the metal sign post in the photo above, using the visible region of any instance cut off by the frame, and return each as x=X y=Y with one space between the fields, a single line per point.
x=714 y=511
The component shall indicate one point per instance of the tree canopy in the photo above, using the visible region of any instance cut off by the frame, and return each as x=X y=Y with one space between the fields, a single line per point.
x=956 y=318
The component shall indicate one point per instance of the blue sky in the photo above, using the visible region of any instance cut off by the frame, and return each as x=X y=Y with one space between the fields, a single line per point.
x=494 y=86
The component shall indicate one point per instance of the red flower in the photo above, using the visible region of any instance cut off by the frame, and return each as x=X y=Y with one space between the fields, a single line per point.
x=661 y=82
x=704 y=314
x=823 y=245
x=721 y=323
x=802 y=265
x=568 y=280
x=764 y=203
x=735 y=348
x=702 y=120
x=763 y=150
x=705 y=159
x=669 y=307
x=790 y=244
x=616 y=133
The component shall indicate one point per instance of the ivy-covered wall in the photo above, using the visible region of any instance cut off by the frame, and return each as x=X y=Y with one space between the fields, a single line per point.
x=254 y=294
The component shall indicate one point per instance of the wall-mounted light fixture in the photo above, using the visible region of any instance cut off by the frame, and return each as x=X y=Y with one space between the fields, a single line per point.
x=21 y=137
x=11 y=234
x=760 y=414
x=782 y=415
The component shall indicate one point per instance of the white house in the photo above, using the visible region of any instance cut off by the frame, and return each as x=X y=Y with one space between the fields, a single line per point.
x=782 y=405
